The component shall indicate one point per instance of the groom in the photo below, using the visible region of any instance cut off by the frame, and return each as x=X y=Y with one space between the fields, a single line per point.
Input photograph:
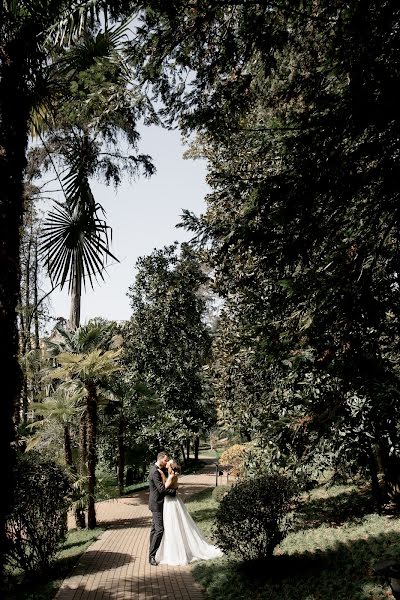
x=156 y=503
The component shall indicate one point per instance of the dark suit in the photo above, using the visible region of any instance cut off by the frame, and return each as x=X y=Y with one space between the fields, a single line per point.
x=156 y=505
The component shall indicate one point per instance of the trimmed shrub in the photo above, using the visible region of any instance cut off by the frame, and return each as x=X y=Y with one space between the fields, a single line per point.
x=252 y=518
x=38 y=521
x=219 y=492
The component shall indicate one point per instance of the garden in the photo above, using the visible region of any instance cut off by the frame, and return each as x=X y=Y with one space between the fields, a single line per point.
x=268 y=342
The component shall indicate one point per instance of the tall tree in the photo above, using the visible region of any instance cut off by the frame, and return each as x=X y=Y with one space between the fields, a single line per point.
x=85 y=371
x=24 y=28
x=91 y=112
x=294 y=102
x=22 y=31
x=32 y=307
x=168 y=342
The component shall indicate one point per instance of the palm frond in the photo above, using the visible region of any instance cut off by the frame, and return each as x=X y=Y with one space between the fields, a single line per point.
x=95 y=334
x=69 y=358
x=76 y=182
x=93 y=47
x=100 y=364
x=58 y=373
x=33 y=441
x=72 y=23
x=117 y=341
x=75 y=245
x=61 y=406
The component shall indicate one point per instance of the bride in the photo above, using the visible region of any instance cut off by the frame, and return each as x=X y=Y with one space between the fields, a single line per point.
x=182 y=541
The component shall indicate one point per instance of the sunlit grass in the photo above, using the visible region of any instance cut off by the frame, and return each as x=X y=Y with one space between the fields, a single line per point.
x=208 y=453
x=202 y=507
x=336 y=539
x=136 y=487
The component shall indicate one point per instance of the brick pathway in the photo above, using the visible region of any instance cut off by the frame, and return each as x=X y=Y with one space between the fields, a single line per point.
x=116 y=566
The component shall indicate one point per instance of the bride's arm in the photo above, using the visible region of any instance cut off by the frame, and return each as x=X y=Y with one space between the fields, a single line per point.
x=172 y=481
x=161 y=483
x=169 y=481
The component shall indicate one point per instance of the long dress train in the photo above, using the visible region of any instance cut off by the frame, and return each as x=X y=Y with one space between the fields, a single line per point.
x=182 y=541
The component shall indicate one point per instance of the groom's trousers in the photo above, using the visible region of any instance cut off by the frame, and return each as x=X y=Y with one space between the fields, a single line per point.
x=156 y=532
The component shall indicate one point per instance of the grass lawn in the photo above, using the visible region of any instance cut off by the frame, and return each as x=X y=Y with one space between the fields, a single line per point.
x=136 y=487
x=336 y=539
x=45 y=588
x=208 y=453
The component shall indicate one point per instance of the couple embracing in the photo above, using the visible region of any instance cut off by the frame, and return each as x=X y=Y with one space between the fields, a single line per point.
x=175 y=538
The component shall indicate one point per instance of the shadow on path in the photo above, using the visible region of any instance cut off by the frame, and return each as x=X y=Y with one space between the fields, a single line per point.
x=96 y=561
x=137 y=588
x=127 y=523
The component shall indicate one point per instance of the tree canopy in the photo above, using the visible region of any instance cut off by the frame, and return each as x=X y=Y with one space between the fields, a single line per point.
x=295 y=112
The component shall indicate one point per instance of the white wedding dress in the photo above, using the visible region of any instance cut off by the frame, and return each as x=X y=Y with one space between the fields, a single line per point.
x=182 y=541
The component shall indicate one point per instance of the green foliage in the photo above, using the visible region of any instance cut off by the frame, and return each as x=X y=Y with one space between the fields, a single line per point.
x=88 y=355
x=329 y=554
x=252 y=518
x=20 y=587
x=25 y=32
x=295 y=114
x=220 y=492
x=88 y=107
x=168 y=345
x=82 y=367
x=37 y=523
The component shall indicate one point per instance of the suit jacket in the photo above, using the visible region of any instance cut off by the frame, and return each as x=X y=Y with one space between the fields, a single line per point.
x=157 y=490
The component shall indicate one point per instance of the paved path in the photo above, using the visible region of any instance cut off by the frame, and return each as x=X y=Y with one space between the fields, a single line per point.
x=116 y=566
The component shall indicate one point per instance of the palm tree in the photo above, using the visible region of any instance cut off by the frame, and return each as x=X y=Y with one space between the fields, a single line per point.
x=86 y=359
x=24 y=28
x=88 y=371
x=62 y=407
x=82 y=129
x=76 y=244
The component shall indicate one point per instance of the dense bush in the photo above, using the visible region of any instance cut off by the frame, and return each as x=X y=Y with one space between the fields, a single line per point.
x=219 y=492
x=38 y=521
x=252 y=517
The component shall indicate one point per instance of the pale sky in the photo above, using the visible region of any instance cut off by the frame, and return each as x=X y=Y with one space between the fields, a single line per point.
x=143 y=215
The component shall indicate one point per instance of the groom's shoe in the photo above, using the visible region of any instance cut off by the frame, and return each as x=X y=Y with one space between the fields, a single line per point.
x=153 y=561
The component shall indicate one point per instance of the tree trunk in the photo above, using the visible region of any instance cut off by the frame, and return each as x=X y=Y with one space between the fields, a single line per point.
x=196 y=448
x=375 y=487
x=130 y=476
x=188 y=449
x=184 y=455
x=28 y=344
x=91 y=408
x=25 y=397
x=14 y=115
x=83 y=440
x=27 y=306
x=35 y=298
x=67 y=447
x=75 y=308
x=121 y=453
x=80 y=517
